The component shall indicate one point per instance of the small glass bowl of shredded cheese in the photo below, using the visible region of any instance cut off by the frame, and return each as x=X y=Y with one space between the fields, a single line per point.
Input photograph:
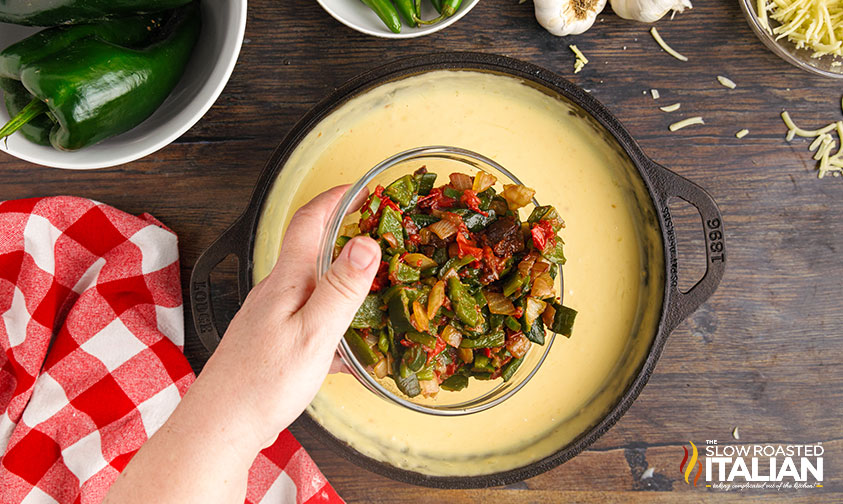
x=806 y=33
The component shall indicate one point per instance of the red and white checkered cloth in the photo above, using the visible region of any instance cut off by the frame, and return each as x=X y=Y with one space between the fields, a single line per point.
x=91 y=329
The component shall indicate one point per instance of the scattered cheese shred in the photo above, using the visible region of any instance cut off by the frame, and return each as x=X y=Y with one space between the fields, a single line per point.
x=670 y=108
x=742 y=133
x=727 y=82
x=669 y=50
x=655 y=93
x=823 y=144
x=686 y=122
x=581 y=60
x=816 y=25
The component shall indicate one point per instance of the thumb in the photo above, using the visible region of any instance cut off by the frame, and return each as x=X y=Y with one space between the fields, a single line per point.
x=339 y=293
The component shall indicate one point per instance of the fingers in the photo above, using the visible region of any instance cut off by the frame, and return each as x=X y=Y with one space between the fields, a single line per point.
x=340 y=292
x=294 y=274
x=338 y=366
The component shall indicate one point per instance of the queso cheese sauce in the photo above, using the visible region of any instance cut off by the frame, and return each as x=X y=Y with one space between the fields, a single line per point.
x=541 y=140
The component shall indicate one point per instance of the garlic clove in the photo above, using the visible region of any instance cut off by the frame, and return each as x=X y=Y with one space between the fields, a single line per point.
x=648 y=11
x=567 y=17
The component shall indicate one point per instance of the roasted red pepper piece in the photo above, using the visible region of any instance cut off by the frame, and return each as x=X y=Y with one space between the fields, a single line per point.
x=470 y=199
x=543 y=235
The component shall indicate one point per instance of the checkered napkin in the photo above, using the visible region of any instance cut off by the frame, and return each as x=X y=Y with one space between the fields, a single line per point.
x=91 y=329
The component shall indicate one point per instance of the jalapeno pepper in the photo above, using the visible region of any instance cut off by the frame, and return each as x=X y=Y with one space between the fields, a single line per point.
x=386 y=11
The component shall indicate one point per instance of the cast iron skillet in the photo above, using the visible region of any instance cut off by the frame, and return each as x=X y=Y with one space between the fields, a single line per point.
x=661 y=183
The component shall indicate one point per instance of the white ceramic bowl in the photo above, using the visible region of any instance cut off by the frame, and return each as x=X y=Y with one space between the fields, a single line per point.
x=213 y=59
x=355 y=15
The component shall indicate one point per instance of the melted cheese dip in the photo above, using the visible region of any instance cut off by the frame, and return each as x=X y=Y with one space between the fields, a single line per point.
x=546 y=143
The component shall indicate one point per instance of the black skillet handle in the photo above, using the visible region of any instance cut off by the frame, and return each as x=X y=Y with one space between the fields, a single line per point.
x=235 y=240
x=668 y=184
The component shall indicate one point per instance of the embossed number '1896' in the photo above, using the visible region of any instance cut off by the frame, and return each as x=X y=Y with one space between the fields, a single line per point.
x=715 y=237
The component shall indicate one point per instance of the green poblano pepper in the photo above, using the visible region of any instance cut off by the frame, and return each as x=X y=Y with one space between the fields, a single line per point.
x=97 y=81
x=57 y=12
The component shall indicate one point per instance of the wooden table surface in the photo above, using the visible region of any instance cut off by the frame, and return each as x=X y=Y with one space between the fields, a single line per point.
x=764 y=354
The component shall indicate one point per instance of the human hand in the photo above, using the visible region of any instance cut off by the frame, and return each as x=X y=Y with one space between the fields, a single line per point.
x=280 y=345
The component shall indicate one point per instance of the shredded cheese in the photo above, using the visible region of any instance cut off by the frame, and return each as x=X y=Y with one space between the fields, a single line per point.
x=655 y=93
x=727 y=82
x=670 y=108
x=669 y=50
x=686 y=122
x=742 y=133
x=823 y=143
x=581 y=60
x=816 y=25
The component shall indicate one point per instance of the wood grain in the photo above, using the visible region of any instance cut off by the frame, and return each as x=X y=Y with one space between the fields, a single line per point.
x=764 y=353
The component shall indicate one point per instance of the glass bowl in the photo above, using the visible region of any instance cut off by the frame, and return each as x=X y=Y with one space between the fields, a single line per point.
x=786 y=50
x=479 y=395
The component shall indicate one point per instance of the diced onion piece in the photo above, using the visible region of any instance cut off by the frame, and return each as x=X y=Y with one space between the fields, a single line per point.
x=390 y=239
x=517 y=196
x=420 y=317
x=686 y=122
x=424 y=236
x=419 y=261
x=670 y=108
x=499 y=304
x=380 y=368
x=539 y=267
x=466 y=355
x=742 y=133
x=371 y=339
x=429 y=388
x=655 y=93
x=542 y=286
x=669 y=50
x=435 y=299
x=535 y=307
x=518 y=346
x=352 y=230
x=548 y=315
x=482 y=181
x=526 y=264
x=451 y=336
x=444 y=228
x=461 y=181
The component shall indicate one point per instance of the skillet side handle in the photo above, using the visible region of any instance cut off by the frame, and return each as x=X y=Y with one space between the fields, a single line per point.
x=668 y=184
x=235 y=241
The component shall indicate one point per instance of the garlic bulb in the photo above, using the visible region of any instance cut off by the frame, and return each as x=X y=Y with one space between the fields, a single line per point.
x=648 y=11
x=567 y=17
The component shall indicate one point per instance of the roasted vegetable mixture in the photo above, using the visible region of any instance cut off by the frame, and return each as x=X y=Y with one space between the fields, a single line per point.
x=464 y=289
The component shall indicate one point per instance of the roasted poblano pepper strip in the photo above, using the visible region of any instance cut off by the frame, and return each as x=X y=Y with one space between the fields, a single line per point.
x=369 y=314
x=456 y=263
x=492 y=340
x=486 y=198
x=391 y=223
x=414 y=357
x=59 y=12
x=408 y=385
x=425 y=182
x=387 y=12
x=399 y=312
x=475 y=222
x=535 y=332
x=512 y=285
x=401 y=271
x=512 y=323
x=383 y=341
x=360 y=348
x=555 y=254
x=483 y=364
x=548 y=213
x=451 y=193
x=426 y=373
x=563 y=319
x=510 y=368
x=455 y=382
x=422 y=339
x=423 y=220
x=465 y=306
x=97 y=81
x=402 y=190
